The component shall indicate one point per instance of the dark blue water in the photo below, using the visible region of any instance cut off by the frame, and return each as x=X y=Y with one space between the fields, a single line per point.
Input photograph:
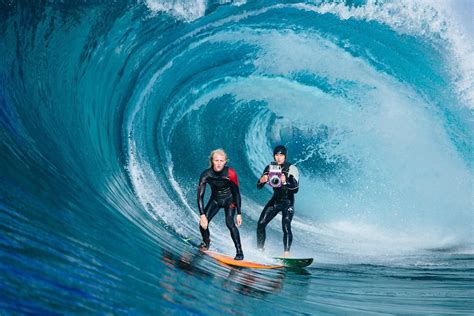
x=109 y=111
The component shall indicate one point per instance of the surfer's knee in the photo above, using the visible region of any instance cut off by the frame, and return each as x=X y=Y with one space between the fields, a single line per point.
x=286 y=223
x=261 y=225
x=229 y=221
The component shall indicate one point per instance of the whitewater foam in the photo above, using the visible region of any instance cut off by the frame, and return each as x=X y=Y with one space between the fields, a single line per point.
x=431 y=19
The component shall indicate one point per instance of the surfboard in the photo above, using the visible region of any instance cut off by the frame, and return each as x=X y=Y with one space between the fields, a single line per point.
x=284 y=262
x=294 y=262
x=240 y=263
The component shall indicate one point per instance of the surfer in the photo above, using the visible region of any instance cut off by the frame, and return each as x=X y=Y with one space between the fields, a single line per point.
x=225 y=193
x=283 y=177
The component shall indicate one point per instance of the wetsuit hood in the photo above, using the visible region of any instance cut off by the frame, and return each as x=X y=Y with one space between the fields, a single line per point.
x=280 y=149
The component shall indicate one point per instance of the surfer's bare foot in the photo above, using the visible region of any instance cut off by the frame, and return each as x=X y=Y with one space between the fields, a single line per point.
x=239 y=256
x=286 y=254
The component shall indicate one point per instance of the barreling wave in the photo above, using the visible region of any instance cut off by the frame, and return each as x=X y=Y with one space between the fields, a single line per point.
x=108 y=113
x=125 y=108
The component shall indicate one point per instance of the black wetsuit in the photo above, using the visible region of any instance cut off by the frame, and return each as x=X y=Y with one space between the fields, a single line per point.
x=225 y=193
x=283 y=200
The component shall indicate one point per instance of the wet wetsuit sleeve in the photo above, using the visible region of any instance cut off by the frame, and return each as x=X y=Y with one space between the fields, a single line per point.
x=261 y=185
x=201 y=192
x=234 y=186
x=292 y=181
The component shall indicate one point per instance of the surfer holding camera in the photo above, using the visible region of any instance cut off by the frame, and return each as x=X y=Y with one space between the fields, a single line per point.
x=283 y=177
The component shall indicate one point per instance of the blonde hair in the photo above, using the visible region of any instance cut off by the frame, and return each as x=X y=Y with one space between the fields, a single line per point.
x=217 y=151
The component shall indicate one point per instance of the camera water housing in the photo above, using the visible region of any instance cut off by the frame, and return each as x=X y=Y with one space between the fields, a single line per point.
x=274 y=174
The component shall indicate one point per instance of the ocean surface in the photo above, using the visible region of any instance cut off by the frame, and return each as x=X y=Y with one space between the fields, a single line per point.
x=108 y=112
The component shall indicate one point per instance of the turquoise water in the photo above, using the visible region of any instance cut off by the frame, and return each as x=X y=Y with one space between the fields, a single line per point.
x=108 y=113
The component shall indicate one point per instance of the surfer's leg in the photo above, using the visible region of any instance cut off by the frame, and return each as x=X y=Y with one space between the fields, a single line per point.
x=268 y=213
x=234 y=231
x=211 y=210
x=287 y=214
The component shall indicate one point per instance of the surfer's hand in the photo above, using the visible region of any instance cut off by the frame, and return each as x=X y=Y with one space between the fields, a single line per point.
x=239 y=220
x=203 y=221
x=264 y=179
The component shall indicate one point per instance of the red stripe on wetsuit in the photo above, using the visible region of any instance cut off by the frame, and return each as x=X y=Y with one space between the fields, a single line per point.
x=233 y=176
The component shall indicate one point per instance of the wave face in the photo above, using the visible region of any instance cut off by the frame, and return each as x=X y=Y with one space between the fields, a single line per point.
x=108 y=114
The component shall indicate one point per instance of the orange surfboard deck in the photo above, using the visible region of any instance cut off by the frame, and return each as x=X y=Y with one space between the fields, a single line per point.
x=240 y=263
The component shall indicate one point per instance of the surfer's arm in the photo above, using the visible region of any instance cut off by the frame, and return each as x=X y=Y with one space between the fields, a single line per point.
x=292 y=183
x=200 y=194
x=261 y=184
x=234 y=186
